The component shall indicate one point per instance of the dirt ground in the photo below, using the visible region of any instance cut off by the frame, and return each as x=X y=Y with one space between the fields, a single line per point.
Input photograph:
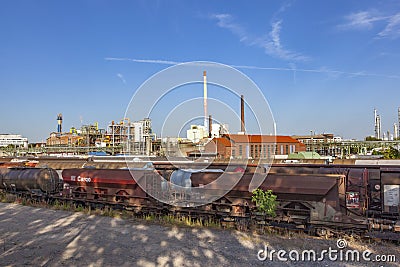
x=44 y=237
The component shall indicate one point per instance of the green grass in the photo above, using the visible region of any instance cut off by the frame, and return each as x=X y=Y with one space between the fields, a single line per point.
x=6 y=198
x=109 y=212
x=169 y=219
x=181 y=220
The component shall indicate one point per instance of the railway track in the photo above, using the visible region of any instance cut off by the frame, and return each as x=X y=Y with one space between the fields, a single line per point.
x=321 y=200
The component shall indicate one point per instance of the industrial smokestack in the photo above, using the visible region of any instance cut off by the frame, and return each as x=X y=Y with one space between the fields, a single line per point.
x=242 y=129
x=205 y=99
x=375 y=124
x=59 y=123
x=209 y=126
x=379 y=126
x=398 y=124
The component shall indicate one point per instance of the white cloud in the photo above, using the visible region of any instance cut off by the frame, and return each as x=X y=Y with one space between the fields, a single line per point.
x=367 y=20
x=272 y=44
x=392 y=29
x=226 y=21
x=361 y=20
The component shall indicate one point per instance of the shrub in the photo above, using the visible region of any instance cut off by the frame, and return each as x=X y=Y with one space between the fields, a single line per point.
x=265 y=201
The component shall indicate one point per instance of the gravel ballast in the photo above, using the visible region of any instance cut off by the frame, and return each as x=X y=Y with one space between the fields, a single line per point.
x=45 y=237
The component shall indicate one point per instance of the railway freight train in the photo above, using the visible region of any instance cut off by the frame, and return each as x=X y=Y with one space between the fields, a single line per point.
x=322 y=199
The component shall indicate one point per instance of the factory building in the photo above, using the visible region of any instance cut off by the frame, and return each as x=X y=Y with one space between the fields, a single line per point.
x=324 y=144
x=219 y=129
x=119 y=133
x=92 y=135
x=317 y=138
x=87 y=135
x=135 y=137
x=14 y=140
x=386 y=136
x=196 y=133
x=127 y=136
x=63 y=139
x=255 y=146
x=125 y=130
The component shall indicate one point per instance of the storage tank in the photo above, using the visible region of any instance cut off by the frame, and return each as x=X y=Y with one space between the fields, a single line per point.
x=31 y=179
x=181 y=178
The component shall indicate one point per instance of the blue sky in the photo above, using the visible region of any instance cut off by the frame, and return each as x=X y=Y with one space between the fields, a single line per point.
x=322 y=65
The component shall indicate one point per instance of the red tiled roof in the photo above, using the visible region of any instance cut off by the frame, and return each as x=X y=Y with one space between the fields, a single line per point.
x=222 y=140
x=257 y=138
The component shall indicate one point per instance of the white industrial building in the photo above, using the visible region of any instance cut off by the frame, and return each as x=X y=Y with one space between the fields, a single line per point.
x=216 y=130
x=196 y=133
x=13 y=139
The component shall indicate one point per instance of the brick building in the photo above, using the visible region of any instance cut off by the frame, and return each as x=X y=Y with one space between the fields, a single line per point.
x=65 y=139
x=253 y=146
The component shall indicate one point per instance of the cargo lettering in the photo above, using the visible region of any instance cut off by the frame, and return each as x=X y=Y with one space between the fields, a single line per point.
x=81 y=179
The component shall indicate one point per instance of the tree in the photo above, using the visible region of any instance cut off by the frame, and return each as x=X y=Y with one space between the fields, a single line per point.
x=265 y=201
x=391 y=153
x=372 y=138
x=388 y=153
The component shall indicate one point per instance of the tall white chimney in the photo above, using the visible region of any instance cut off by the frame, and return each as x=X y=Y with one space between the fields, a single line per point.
x=379 y=125
x=375 y=124
x=205 y=101
x=398 y=124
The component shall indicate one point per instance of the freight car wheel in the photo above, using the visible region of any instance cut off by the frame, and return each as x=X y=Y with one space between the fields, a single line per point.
x=242 y=224
x=310 y=230
x=323 y=232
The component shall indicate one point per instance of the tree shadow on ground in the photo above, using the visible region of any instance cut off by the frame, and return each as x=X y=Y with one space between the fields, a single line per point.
x=45 y=237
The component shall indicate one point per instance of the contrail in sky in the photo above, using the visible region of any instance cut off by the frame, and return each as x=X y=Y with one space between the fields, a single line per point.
x=153 y=61
x=321 y=70
x=119 y=75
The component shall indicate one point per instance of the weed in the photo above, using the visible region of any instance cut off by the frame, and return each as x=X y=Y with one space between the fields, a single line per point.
x=209 y=222
x=7 y=198
x=79 y=208
x=108 y=211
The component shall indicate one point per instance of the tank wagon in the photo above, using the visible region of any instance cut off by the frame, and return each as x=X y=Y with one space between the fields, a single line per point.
x=34 y=181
